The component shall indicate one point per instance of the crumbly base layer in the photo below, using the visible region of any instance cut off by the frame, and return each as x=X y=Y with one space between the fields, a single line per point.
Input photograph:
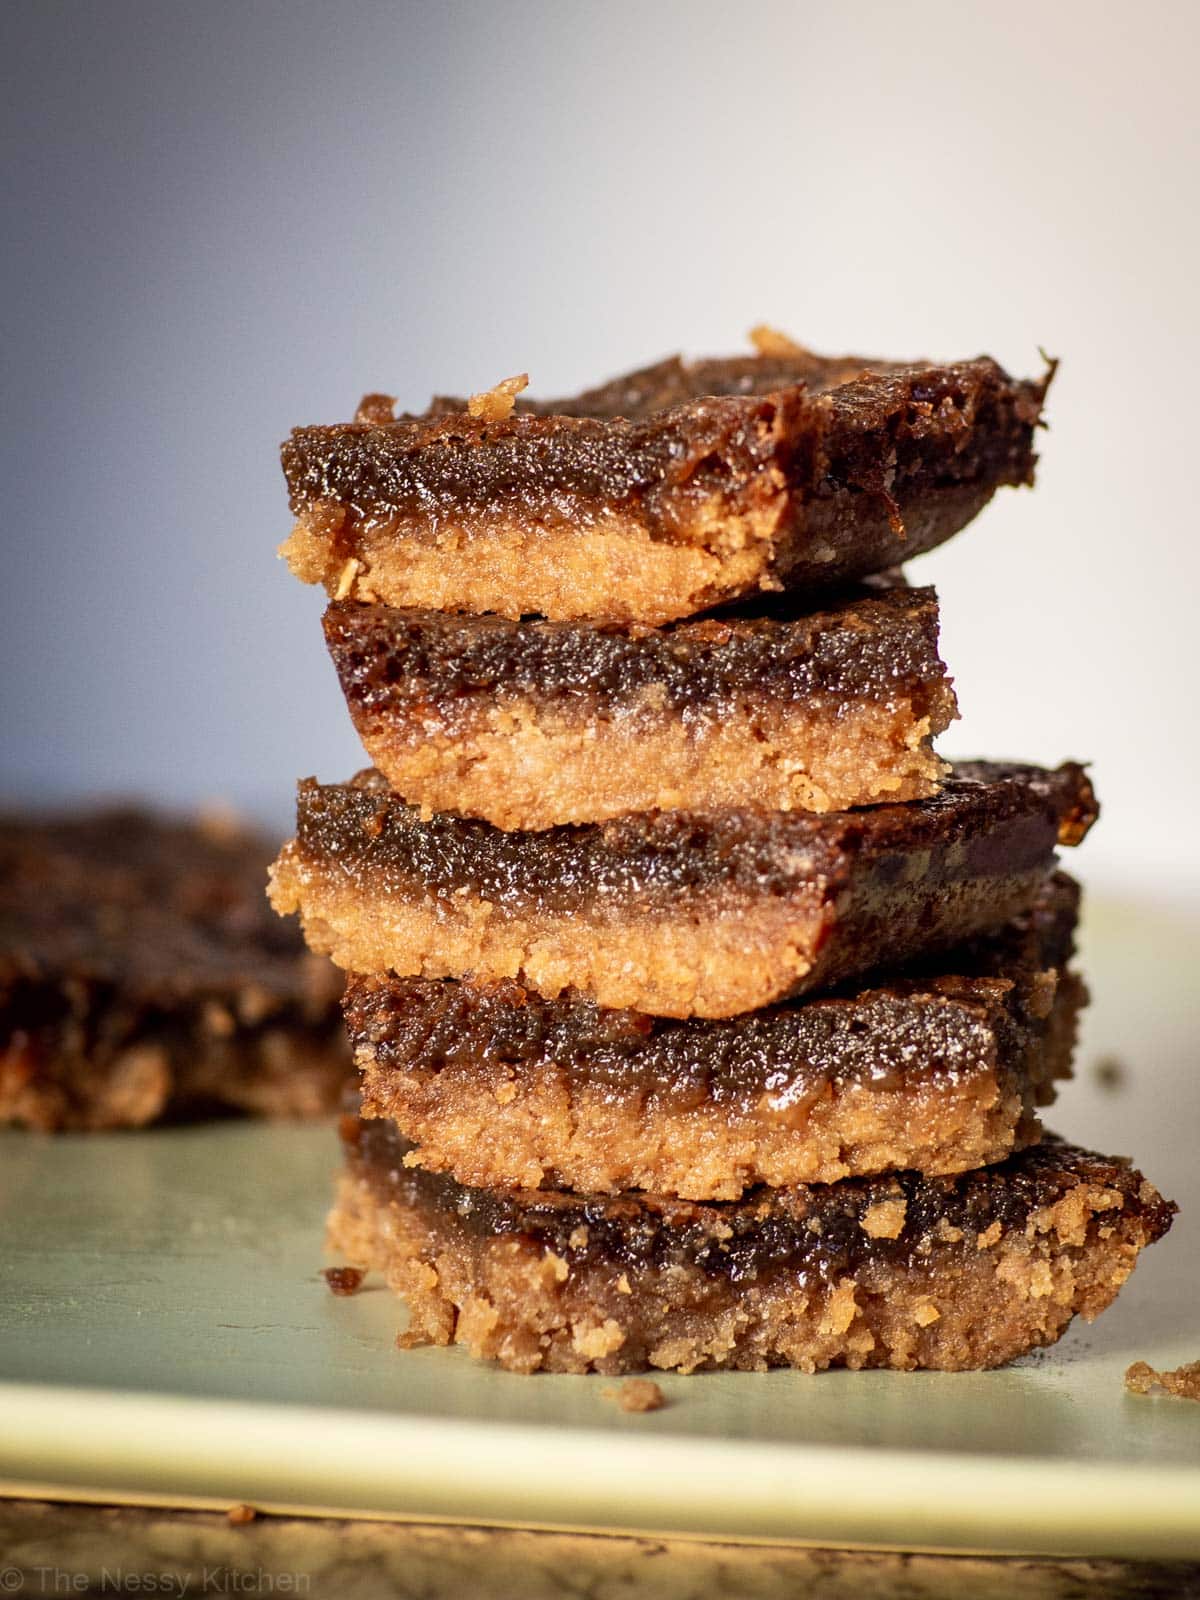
x=607 y=565
x=492 y=1122
x=277 y=1072
x=521 y=764
x=961 y=1303
x=712 y=956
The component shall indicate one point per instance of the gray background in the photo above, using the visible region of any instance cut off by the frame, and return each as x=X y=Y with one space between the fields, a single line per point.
x=225 y=219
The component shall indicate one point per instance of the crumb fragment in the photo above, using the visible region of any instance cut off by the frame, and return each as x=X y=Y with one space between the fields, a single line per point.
x=1183 y=1382
x=885 y=1219
x=637 y=1394
x=494 y=405
x=346 y=579
x=769 y=341
x=1110 y=1073
x=344 y=1280
x=237 y=1516
x=376 y=409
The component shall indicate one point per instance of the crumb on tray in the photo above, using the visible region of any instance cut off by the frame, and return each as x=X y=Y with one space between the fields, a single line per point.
x=1183 y=1382
x=376 y=410
x=344 y=1280
x=768 y=341
x=636 y=1394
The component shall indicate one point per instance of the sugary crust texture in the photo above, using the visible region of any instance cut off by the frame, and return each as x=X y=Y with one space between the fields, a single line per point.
x=802 y=474
x=522 y=765
x=961 y=1305
x=492 y=1122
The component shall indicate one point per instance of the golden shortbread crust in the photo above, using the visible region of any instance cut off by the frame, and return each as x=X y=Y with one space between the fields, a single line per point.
x=520 y=764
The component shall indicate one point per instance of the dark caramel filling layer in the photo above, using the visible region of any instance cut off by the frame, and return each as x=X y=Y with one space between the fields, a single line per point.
x=672 y=439
x=877 y=645
x=824 y=1232
x=990 y=820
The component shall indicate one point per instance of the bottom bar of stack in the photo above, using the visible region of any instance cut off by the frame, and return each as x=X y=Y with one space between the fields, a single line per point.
x=859 y=1178
x=898 y=1271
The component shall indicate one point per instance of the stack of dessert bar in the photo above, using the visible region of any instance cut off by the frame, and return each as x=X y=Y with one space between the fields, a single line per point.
x=702 y=1012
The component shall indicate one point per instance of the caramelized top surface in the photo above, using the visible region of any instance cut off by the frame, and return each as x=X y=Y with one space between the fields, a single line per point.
x=686 y=429
x=991 y=819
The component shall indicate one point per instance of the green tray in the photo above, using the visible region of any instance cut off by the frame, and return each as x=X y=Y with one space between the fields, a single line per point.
x=165 y=1334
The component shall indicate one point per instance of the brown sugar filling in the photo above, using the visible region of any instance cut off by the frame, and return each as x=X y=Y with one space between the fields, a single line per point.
x=905 y=1272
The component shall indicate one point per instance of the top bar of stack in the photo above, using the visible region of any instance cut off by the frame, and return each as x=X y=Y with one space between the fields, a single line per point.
x=703 y=1012
x=678 y=488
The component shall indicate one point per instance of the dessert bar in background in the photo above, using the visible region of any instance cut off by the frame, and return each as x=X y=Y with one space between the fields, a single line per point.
x=142 y=976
